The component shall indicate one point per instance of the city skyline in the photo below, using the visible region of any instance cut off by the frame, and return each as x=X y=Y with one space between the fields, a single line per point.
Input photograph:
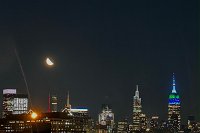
x=15 y=111
x=101 y=50
x=174 y=98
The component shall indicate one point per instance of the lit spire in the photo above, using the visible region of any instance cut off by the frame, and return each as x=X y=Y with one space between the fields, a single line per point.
x=137 y=91
x=68 y=104
x=137 y=101
x=174 y=84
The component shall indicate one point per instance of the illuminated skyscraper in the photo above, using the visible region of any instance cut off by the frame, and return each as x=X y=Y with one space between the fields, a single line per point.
x=8 y=95
x=137 y=110
x=174 y=118
x=54 y=103
x=20 y=104
x=14 y=103
x=106 y=117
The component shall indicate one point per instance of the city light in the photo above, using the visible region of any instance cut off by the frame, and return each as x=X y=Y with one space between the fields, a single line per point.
x=34 y=115
x=100 y=66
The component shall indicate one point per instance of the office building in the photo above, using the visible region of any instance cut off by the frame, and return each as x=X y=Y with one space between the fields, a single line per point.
x=8 y=96
x=122 y=126
x=20 y=104
x=143 y=122
x=53 y=122
x=154 y=123
x=174 y=117
x=14 y=103
x=191 y=125
x=54 y=103
x=106 y=117
x=137 y=110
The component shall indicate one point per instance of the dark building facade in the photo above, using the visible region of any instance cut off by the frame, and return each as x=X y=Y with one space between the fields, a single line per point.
x=56 y=122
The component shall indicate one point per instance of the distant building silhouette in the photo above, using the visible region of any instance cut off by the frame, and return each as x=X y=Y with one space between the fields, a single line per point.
x=54 y=103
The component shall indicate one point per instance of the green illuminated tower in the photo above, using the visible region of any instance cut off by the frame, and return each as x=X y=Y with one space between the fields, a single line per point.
x=174 y=118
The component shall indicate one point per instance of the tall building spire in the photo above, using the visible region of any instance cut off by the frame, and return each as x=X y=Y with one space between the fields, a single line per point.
x=137 y=99
x=137 y=92
x=137 y=110
x=174 y=84
x=68 y=104
x=174 y=117
x=136 y=87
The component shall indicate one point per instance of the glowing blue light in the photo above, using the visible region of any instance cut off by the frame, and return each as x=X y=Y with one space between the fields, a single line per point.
x=174 y=101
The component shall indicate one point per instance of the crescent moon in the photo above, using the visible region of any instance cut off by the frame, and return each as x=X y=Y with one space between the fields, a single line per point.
x=49 y=62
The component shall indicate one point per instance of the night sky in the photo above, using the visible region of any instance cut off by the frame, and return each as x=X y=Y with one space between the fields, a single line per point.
x=101 y=50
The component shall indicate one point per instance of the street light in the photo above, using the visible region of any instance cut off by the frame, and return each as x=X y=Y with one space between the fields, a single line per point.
x=34 y=115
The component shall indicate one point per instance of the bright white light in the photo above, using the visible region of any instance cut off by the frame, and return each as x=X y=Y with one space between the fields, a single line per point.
x=49 y=62
x=79 y=110
x=9 y=91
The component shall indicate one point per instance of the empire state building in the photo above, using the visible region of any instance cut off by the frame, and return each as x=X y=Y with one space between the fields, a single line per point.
x=174 y=117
